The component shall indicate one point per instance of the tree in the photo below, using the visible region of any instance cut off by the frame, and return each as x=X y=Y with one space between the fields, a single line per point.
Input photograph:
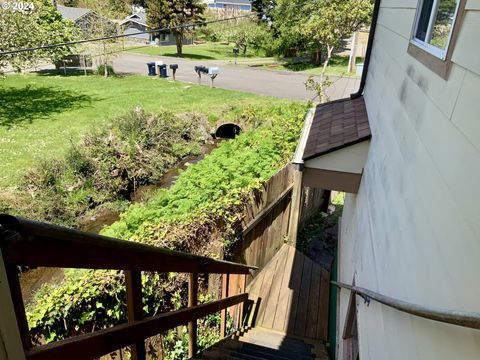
x=331 y=21
x=36 y=26
x=288 y=17
x=174 y=14
x=101 y=26
x=320 y=26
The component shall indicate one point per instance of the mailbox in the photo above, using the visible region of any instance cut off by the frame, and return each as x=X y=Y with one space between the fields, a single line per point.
x=236 y=51
x=213 y=71
x=201 y=70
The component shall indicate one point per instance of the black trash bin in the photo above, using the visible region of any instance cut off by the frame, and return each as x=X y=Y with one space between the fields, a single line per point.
x=151 y=68
x=163 y=71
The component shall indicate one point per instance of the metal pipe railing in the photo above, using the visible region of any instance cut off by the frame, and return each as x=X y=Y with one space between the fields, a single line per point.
x=460 y=318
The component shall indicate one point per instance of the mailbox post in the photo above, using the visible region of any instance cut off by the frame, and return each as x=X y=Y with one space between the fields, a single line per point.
x=174 y=68
x=236 y=51
x=213 y=73
x=201 y=70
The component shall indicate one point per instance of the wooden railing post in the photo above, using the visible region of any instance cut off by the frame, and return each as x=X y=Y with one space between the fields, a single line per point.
x=192 y=325
x=133 y=280
x=242 y=285
x=13 y=333
x=223 y=313
x=10 y=272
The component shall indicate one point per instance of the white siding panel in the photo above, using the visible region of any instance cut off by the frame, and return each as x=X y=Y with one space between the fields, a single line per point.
x=431 y=146
x=467 y=112
x=473 y=5
x=404 y=4
x=467 y=48
x=399 y=21
x=350 y=159
x=412 y=230
x=443 y=93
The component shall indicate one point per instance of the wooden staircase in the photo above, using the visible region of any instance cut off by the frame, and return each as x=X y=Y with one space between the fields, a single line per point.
x=265 y=344
x=287 y=315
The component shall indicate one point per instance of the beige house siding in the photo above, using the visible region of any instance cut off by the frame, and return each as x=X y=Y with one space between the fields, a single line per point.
x=413 y=230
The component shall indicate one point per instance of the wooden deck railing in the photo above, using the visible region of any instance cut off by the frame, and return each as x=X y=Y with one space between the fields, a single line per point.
x=30 y=243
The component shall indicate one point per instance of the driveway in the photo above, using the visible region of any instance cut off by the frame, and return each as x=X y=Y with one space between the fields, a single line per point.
x=281 y=84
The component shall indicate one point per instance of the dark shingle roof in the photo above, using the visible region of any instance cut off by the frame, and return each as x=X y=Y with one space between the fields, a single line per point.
x=72 y=13
x=336 y=125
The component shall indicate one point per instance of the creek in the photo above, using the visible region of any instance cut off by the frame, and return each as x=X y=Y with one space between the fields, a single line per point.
x=33 y=279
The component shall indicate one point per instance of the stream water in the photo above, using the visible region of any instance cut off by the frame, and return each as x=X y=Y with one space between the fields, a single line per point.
x=33 y=279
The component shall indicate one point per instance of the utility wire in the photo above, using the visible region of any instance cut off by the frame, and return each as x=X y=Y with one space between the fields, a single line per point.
x=159 y=30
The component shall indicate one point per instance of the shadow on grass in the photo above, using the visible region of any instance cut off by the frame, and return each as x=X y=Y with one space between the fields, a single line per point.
x=19 y=106
x=335 y=61
x=190 y=56
x=73 y=72
x=61 y=72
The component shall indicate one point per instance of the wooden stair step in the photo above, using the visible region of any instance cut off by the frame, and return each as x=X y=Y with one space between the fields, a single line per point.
x=260 y=344
x=270 y=354
x=286 y=347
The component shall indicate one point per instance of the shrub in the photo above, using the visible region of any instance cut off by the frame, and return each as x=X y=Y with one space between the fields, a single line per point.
x=101 y=70
x=110 y=163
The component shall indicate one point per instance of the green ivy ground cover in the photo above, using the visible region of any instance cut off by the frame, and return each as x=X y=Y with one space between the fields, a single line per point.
x=206 y=198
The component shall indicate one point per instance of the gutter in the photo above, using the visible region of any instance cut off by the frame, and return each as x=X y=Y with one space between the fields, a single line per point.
x=371 y=37
x=298 y=157
x=298 y=166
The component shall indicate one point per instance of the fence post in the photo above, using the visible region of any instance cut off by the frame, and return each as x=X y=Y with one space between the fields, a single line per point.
x=192 y=326
x=296 y=204
x=133 y=280
x=223 y=313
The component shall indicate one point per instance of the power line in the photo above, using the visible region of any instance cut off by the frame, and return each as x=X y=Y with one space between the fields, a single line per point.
x=184 y=26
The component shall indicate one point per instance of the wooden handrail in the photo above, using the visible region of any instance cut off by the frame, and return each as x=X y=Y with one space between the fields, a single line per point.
x=461 y=318
x=33 y=244
x=89 y=346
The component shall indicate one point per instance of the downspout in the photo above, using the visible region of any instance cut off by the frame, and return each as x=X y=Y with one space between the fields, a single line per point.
x=368 y=54
x=298 y=167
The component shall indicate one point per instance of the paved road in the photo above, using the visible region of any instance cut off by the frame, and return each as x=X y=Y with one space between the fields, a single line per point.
x=282 y=84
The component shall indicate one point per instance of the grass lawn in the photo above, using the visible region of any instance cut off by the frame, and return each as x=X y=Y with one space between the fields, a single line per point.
x=208 y=51
x=338 y=66
x=41 y=114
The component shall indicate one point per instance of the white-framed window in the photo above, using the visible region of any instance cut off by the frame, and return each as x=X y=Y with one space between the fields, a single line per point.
x=433 y=25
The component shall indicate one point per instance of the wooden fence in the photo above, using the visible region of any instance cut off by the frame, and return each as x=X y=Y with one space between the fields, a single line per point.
x=267 y=218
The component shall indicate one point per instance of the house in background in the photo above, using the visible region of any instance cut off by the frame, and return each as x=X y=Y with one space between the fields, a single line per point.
x=229 y=5
x=81 y=17
x=137 y=22
x=406 y=148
